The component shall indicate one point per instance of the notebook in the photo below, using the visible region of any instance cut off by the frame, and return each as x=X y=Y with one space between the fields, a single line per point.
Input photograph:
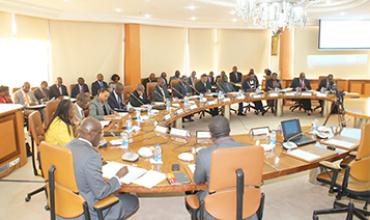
x=304 y=155
x=150 y=179
x=111 y=168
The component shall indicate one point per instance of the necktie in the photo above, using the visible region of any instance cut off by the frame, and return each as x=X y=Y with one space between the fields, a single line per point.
x=26 y=99
x=82 y=113
x=302 y=84
x=105 y=110
x=60 y=90
x=81 y=89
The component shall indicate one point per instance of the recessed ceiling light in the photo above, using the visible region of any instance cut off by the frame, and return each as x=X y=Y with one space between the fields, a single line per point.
x=147 y=16
x=193 y=18
x=118 y=10
x=191 y=7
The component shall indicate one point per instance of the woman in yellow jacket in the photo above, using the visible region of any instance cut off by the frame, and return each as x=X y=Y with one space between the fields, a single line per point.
x=60 y=131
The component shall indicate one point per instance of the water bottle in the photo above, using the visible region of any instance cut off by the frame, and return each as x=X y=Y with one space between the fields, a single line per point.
x=168 y=105
x=138 y=116
x=220 y=95
x=186 y=101
x=314 y=126
x=158 y=153
x=240 y=94
x=201 y=97
x=129 y=125
x=273 y=137
x=124 y=137
x=149 y=109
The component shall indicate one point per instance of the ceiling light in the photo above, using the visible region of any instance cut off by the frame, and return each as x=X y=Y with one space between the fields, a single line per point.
x=193 y=18
x=118 y=10
x=191 y=7
x=147 y=16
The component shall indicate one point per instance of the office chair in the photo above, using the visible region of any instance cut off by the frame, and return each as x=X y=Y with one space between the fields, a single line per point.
x=50 y=109
x=64 y=197
x=37 y=131
x=126 y=93
x=234 y=186
x=351 y=180
x=149 y=89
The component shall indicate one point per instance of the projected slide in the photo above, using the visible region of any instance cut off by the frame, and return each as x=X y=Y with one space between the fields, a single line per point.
x=344 y=35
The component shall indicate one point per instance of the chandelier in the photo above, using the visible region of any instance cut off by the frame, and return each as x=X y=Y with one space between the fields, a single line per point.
x=273 y=14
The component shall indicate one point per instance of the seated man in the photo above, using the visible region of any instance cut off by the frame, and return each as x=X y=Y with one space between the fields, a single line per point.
x=151 y=78
x=271 y=84
x=115 y=99
x=220 y=132
x=81 y=87
x=236 y=78
x=251 y=84
x=328 y=85
x=42 y=94
x=99 y=107
x=25 y=96
x=98 y=84
x=58 y=89
x=88 y=174
x=223 y=85
x=302 y=84
x=138 y=97
x=160 y=92
x=203 y=86
x=176 y=76
x=182 y=89
x=81 y=105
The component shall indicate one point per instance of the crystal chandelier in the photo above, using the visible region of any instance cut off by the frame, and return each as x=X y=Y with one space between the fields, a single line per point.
x=273 y=14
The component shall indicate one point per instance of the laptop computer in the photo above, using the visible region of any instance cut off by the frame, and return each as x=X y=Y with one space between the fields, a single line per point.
x=292 y=131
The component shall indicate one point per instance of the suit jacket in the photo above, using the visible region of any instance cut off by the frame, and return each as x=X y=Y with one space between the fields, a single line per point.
x=76 y=90
x=201 y=88
x=97 y=109
x=296 y=84
x=211 y=80
x=95 y=86
x=250 y=85
x=173 y=78
x=225 y=87
x=157 y=95
x=137 y=101
x=181 y=90
x=42 y=94
x=55 y=93
x=325 y=84
x=19 y=97
x=235 y=77
x=91 y=185
x=270 y=85
x=114 y=103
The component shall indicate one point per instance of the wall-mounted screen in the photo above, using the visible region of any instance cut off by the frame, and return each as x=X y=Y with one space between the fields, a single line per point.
x=344 y=35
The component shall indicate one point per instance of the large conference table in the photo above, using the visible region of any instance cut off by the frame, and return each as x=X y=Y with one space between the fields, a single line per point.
x=277 y=163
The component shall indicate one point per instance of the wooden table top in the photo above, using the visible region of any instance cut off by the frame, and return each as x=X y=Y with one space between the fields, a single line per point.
x=358 y=107
x=277 y=163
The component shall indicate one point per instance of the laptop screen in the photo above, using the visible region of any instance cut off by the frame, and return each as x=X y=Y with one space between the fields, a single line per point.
x=290 y=128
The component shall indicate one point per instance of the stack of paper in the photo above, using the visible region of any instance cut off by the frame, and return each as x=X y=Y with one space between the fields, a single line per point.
x=304 y=155
x=134 y=173
x=340 y=143
x=150 y=179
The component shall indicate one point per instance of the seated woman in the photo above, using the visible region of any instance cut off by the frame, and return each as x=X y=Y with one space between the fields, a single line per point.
x=4 y=95
x=60 y=130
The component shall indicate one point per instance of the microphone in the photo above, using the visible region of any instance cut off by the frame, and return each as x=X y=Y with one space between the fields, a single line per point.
x=191 y=86
x=220 y=87
x=137 y=99
x=173 y=88
x=155 y=91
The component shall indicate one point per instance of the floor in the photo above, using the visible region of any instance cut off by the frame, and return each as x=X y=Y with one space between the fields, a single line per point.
x=289 y=198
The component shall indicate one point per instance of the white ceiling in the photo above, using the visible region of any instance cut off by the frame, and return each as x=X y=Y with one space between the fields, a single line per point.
x=191 y=13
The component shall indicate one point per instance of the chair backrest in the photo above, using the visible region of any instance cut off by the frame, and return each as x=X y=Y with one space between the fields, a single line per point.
x=71 y=87
x=50 y=109
x=127 y=91
x=36 y=127
x=15 y=89
x=360 y=170
x=149 y=89
x=68 y=202
x=363 y=149
x=174 y=82
x=221 y=203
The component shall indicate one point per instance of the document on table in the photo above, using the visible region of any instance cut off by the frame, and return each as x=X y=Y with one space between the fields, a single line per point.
x=354 y=133
x=104 y=123
x=304 y=155
x=340 y=143
x=191 y=168
x=134 y=173
x=150 y=179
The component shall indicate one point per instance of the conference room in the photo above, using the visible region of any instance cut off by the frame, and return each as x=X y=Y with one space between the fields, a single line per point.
x=185 y=109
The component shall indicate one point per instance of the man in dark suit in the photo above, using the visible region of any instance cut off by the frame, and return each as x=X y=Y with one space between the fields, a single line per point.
x=42 y=94
x=327 y=84
x=302 y=84
x=175 y=77
x=272 y=83
x=160 y=92
x=220 y=132
x=138 y=97
x=223 y=85
x=211 y=78
x=237 y=77
x=192 y=80
x=58 y=89
x=203 y=86
x=115 y=99
x=151 y=78
x=81 y=87
x=182 y=89
x=98 y=84
x=250 y=84
x=88 y=174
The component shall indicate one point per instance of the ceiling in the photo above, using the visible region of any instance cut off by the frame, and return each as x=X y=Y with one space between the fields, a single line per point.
x=188 y=13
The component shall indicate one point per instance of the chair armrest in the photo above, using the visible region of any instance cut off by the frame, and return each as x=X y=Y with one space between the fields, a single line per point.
x=106 y=202
x=192 y=201
x=335 y=166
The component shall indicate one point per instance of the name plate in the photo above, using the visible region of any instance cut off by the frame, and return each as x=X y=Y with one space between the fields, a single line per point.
x=167 y=117
x=228 y=99
x=179 y=133
x=192 y=107
x=240 y=97
x=257 y=96
x=290 y=94
x=203 y=135
x=306 y=94
x=203 y=100
x=260 y=131
x=211 y=102
x=319 y=94
x=180 y=111
x=273 y=95
x=161 y=129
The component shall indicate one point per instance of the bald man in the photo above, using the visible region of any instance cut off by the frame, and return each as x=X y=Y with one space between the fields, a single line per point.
x=88 y=174
x=220 y=132
x=25 y=96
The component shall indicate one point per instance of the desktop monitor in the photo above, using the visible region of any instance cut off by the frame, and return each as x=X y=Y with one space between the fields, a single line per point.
x=290 y=128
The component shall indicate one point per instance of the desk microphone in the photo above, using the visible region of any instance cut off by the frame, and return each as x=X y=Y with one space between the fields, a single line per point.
x=173 y=88
x=163 y=97
x=289 y=145
x=191 y=86
x=137 y=99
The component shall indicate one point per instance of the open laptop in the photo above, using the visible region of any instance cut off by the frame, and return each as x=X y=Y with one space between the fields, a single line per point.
x=292 y=128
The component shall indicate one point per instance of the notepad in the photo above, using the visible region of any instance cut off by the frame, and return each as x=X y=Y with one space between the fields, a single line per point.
x=304 y=155
x=191 y=168
x=111 y=168
x=340 y=143
x=150 y=179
